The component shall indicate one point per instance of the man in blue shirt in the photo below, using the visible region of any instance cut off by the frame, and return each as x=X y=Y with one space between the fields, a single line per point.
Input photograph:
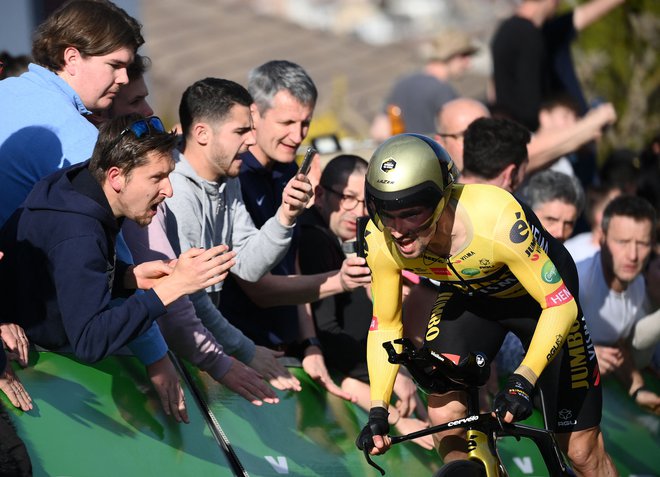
x=46 y=107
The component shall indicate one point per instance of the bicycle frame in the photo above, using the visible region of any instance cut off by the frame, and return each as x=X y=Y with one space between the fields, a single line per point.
x=482 y=428
x=482 y=433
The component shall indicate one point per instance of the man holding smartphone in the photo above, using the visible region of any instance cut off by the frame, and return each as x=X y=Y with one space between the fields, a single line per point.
x=284 y=99
x=207 y=209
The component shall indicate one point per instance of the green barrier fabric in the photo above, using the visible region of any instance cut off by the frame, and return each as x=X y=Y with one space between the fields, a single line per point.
x=306 y=434
x=632 y=436
x=311 y=434
x=106 y=420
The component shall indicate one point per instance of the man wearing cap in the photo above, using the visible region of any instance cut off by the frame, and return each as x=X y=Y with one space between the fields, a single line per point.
x=420 y=96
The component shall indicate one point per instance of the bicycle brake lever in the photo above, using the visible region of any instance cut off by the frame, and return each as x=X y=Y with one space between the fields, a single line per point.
x=510 y=431
x=371 y=462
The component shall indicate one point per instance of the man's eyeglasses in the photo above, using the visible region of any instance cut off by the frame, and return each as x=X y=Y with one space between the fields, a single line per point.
x=348 y=202
x=457 y=136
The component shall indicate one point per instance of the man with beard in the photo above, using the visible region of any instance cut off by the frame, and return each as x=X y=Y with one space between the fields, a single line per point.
x=207 y=209
x=81 y=56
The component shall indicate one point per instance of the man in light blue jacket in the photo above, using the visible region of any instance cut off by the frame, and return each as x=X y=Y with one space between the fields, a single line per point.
x=81 y=53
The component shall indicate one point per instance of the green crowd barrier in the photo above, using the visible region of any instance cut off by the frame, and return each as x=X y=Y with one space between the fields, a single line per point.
x=106 y=420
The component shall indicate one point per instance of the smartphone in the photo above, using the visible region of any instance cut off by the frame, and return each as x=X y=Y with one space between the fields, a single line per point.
x=307 y=161
x=357 y=246
x=359 y=242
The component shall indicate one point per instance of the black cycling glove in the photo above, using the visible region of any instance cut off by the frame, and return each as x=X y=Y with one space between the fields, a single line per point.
x=377 y=426
x=515 y=398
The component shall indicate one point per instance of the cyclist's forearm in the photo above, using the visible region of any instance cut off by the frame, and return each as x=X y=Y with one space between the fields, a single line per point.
x=553 y=328
x=382 y=373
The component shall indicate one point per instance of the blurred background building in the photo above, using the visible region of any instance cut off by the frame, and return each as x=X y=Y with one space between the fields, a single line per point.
x=356 y=49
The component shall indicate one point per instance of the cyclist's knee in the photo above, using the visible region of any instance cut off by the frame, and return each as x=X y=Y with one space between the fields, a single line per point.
x=447 y=407
x=451 y=444
x=586 y=450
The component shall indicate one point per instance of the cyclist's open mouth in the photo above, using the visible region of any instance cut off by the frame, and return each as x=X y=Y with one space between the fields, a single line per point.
x=406 y=245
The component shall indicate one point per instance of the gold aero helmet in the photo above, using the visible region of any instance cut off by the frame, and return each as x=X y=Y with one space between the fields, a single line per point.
x=408 y=170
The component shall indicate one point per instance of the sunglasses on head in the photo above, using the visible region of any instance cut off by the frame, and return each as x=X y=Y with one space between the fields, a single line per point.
x=140 y=128
x=144 y=127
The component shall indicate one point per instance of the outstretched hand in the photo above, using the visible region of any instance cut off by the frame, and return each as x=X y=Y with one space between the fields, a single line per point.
x=265 y=363
x=648 y=400
x=166 y=382
x=602 y=115
x=407 y=425
x=610 y=359
x=199 y=268
x=314 y=365
x=13 y=388
x=406 y=392
x=16 y=341
x=249 y=384
x=195 y=269
x=146 y=275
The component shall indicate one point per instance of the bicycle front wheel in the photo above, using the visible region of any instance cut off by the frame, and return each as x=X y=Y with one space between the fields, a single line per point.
x=461 y=468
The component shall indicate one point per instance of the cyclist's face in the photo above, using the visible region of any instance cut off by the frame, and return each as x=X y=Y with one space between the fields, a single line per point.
x=410 y=228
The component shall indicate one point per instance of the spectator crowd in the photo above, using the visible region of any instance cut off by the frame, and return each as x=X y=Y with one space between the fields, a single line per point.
x=118 y=233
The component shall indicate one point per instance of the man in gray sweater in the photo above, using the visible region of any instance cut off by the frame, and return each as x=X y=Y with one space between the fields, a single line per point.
x=207 y=207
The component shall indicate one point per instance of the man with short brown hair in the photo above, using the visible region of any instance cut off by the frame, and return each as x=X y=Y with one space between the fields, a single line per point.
x=613 y=294
x=61 y=278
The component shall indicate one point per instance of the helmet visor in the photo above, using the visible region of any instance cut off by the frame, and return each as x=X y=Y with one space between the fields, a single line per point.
x=425 y=196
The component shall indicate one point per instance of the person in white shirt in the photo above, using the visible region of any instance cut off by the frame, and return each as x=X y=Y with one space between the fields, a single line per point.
x=613 y=293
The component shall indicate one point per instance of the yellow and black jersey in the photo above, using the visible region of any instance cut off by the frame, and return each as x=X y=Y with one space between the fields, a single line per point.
x=506 y=255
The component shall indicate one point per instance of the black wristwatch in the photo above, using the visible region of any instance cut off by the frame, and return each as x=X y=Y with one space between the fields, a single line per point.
x=306 y=343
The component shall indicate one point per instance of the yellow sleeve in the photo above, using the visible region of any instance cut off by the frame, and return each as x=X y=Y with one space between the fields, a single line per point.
x=386 y=323
x=515 y=244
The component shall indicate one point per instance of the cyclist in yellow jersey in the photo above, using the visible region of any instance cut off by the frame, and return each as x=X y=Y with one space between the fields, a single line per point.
x=499 y=271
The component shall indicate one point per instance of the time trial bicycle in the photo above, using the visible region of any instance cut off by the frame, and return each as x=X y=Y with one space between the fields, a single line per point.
x=437 y=374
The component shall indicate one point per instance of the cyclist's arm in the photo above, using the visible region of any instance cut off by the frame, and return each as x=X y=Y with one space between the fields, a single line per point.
x=538 y=275
x=386 y=324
